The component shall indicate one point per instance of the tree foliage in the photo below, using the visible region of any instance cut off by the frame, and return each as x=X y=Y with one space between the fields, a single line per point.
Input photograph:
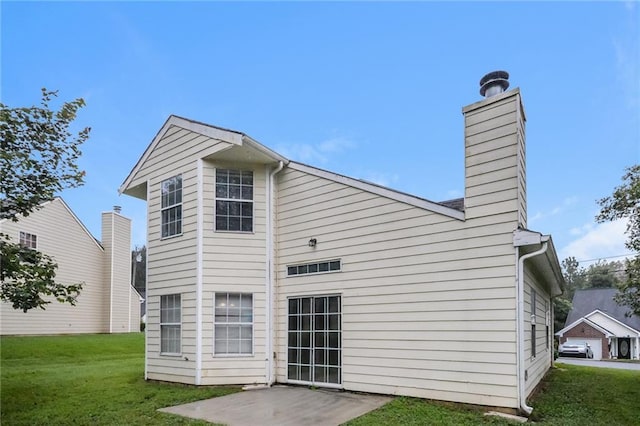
x=624 y=203
x=38 y=159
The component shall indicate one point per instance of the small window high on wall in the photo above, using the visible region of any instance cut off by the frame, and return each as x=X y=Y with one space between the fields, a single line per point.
x=28 y=240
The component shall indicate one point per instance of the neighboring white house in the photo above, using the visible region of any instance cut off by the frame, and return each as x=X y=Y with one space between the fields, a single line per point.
x=596 y=319
x=107 y=302
x=263 y=270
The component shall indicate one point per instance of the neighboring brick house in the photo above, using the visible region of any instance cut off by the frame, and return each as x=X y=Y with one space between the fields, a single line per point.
x=598 y=320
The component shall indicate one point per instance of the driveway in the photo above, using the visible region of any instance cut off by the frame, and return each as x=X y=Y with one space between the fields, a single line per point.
x=281 y=405
x=601 y=364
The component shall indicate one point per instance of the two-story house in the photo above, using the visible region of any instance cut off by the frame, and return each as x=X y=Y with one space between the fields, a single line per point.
x=262 y=269
x=107 y=303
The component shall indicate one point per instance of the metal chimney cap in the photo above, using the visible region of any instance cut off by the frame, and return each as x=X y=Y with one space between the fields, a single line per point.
x=117 y=209
x=493 y=83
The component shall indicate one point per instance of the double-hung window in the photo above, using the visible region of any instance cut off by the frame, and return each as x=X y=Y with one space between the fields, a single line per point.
x=171 y=206
x=233 y=324
x=28 y=240
x=170 y=324
x=234 y=200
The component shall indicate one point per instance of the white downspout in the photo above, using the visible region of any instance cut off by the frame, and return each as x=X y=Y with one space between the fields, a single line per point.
x=520 y=325
x=270 y=285
x=199 y=269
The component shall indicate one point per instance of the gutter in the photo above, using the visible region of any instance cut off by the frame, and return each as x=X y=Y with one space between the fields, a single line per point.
x=520 y=321
x=270 y=284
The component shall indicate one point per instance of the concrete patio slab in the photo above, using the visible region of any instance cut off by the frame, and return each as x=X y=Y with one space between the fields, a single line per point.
x=281 y=405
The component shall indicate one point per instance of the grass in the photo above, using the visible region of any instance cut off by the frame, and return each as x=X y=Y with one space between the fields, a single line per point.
x=569 y=395
x=87 y=380
x=578 y=395
x=98 y=379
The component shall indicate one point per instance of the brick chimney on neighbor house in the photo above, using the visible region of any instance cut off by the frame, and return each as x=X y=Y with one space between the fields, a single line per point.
x=116 y=241
x=494 y=141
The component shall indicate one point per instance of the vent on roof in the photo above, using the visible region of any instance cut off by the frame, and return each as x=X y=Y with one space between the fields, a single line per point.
x=494 y=83
x=117 y=209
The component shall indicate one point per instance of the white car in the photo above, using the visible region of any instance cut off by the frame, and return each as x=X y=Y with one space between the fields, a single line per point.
x=582 y=350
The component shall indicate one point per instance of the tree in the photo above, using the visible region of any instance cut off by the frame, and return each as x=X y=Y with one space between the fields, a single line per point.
x=38 y=159
x=625 y=204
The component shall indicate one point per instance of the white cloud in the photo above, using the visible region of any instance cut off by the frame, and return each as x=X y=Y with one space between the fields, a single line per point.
x=597 y=241
x=315 y=153
x=567 y=202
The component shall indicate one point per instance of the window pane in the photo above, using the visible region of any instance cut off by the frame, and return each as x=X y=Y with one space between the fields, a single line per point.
x=221 y=300
x=234 y=177
x=313 y=268
x=292 y=270
x=247 y=193
x=246 y=332
x=221 y=332
x=221 y=223
x=293 y=306
x=233 y=332
x=245 y=347
x=323 y=267
x=246 y=301
x=234 y=223
x=222 y=191
x=334 y=266
x=246 y=225
x=234 y=191
x=222 y=176
x=334 y=304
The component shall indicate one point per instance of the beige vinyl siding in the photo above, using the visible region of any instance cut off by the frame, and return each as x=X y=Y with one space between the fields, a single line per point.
x=536 y=366
x=494 y=158
x=179 y=368
x=428 y=302
x=116 y=239
x=234 y=262
x=172 y=261
x=79 y=258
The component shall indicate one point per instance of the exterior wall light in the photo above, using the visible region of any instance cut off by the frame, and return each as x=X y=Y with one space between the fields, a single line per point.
x=313 y=242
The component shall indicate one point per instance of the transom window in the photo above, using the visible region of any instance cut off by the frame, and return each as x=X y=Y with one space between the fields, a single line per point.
x=170 y=324
x=28 y=240
x=234 y=200
x=314 y=268
x=171 y=206
x=233 y=324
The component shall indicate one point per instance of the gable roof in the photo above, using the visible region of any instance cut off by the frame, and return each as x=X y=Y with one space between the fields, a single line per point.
x=452 y=208
x=587 y=301
x=59 y=199
x=380 y=190
x=231 y=136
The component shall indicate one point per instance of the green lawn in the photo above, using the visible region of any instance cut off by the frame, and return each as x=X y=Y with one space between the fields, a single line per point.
x=86 y=380
x=98 y=379
x=569 y=395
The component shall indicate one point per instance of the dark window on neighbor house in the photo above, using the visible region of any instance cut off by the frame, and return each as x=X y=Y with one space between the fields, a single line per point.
x=171 y=211
x=170 y=325
x=314 y=268
x=233 y=324
x=234 y=200
x=28 y=240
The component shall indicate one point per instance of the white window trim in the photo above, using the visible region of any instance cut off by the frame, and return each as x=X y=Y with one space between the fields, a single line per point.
x=162 y=209
x=313 y=263
x=20 y=233
x=173 y=354
x=242 y=200
x=253 y=328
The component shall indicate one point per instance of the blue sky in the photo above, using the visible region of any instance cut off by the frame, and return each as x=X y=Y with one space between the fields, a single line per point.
x=370 y=90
